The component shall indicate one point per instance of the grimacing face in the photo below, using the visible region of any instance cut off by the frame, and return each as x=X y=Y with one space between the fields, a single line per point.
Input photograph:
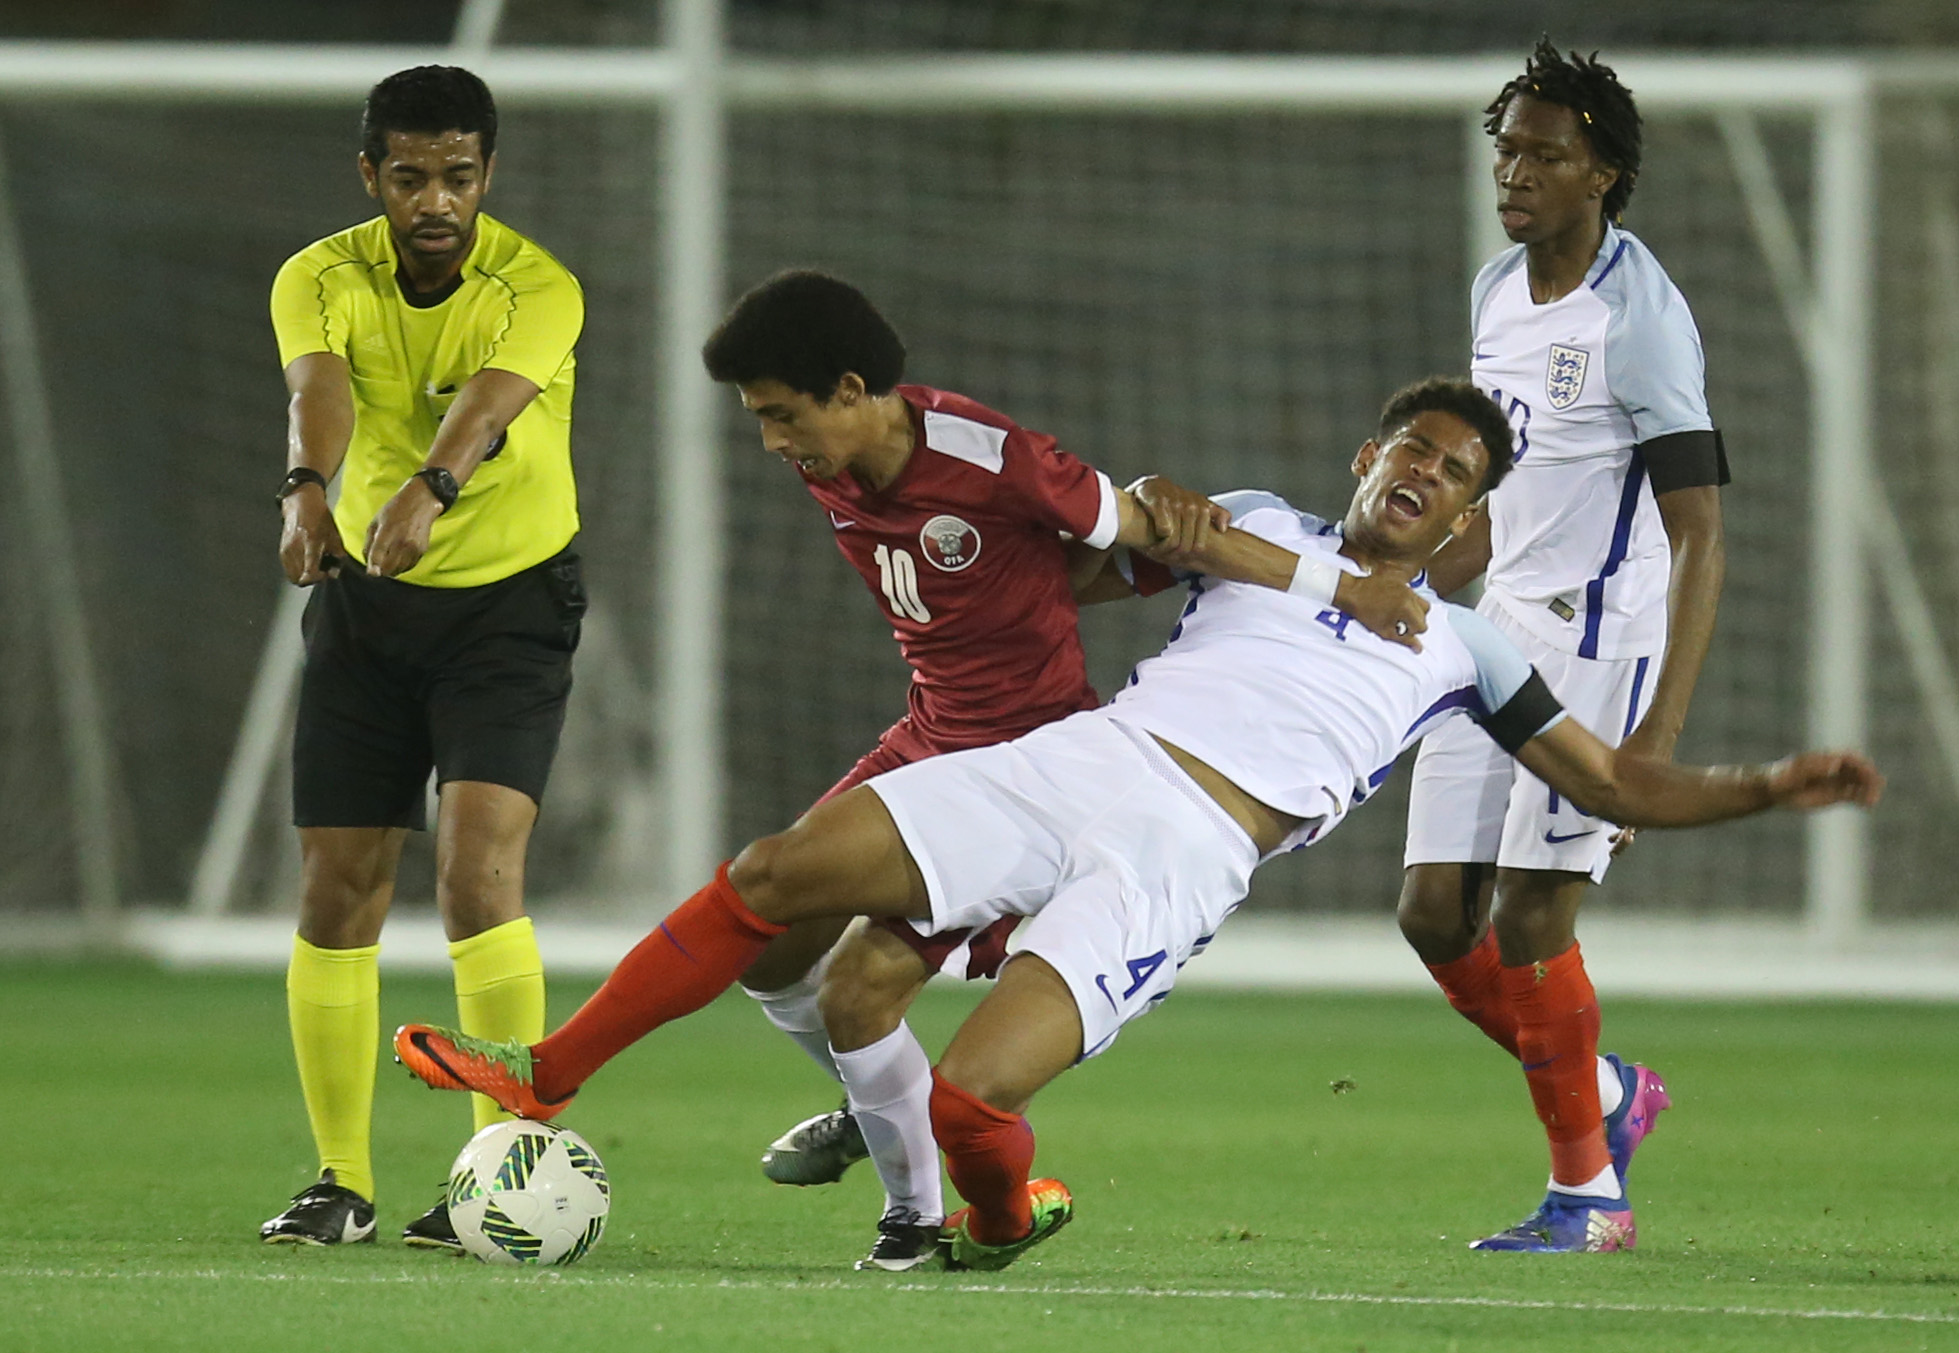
x=1548 y=180
x=1417 y=486
x=820 y=438
x=431 y=187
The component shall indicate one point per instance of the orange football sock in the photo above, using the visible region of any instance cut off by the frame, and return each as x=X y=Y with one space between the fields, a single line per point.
x=988 y=1154
x=696 y=954
x=1474 y=986
x=1557 y=1041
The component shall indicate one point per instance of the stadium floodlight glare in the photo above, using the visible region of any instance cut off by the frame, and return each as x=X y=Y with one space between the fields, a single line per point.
x=699 y=86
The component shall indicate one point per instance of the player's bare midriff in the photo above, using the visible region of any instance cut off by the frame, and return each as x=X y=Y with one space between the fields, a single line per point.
x=1266 y=825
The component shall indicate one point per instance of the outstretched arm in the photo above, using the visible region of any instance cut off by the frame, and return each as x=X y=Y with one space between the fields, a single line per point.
x=484 y=408
x=1638 y=791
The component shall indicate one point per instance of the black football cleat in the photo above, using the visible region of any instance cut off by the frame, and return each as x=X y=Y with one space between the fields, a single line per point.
x=322 y=1214
x=432 y=1231
x=904 y=1244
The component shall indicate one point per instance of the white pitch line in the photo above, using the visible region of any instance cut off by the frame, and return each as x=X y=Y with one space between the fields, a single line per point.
x=556 y=1277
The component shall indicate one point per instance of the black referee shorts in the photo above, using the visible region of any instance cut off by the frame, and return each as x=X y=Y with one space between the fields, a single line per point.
x=469 y=682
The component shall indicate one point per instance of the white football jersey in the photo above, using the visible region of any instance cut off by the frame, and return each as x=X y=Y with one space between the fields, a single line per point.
x=1579 y=554
x=1300 y=705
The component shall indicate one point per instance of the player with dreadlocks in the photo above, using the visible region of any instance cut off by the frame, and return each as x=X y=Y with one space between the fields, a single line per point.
x=1602 y=560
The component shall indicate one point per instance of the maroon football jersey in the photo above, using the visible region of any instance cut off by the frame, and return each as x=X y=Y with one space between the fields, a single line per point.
x=964 y=552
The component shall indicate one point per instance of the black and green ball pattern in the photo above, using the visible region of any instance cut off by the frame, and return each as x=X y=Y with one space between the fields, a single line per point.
x=528 y=1193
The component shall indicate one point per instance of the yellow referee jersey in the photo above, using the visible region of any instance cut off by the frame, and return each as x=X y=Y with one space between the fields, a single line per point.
x=517 y=309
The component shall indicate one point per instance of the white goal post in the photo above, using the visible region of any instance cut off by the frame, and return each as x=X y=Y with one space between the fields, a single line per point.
x=696 y=80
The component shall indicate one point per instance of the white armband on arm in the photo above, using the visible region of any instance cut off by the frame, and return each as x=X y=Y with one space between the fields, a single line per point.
x=1108 y=516
x=1314 y=580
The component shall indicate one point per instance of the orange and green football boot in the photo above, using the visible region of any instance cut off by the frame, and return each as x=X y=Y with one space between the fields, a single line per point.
x=1053 y=1207
x=447 y=1060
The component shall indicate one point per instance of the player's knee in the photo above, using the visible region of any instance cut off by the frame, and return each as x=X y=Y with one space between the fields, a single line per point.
x=754 y=873
x=998 y=1085
x=343 y=881
x=333 y=892
x=775 y=878
x=480 y=890
x=343 y=910
x=1533 y=925
x=1520 y=930
x=1431 y=914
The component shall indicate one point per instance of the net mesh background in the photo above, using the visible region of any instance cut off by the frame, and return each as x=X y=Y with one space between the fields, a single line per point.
x=811 y=27
x=1227 y=299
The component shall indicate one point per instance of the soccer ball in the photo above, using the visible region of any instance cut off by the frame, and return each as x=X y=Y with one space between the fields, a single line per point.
x=528 y=1193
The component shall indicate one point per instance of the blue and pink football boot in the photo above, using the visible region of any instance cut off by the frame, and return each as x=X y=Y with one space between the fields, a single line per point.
x=1568 y=1224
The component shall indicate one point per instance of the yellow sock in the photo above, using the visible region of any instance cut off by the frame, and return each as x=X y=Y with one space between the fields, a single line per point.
x=333 y=1000
x=499 y=992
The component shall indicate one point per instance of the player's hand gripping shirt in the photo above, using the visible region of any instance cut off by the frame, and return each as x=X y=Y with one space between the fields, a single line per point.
x=1605 y=390
x=964 y=553
x=516 y=309
x=1300 y=705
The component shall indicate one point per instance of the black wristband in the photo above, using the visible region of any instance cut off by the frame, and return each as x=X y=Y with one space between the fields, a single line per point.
x=441 y=483
x=295 y=477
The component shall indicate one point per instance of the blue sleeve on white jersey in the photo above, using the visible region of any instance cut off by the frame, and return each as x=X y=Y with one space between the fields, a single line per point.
x=1520 y=706
x=1654 y=366
x=1501 y=670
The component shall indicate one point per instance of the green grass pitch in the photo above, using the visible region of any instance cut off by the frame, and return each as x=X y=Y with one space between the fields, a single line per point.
x=1799 y=1196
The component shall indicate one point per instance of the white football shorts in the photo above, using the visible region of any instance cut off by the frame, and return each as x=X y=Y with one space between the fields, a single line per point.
x=1471 y=803
x=1126 y=866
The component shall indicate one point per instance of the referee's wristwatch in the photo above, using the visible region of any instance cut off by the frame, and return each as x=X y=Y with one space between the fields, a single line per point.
x=441 y=483
x=297 y=478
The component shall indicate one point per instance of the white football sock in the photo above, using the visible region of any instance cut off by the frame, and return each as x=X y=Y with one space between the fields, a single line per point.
x=890 y=1086
x=793 y=1010
x=1606 y=1185
x=1611 y=1090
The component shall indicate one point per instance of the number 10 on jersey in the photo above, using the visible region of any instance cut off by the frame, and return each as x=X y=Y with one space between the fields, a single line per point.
x=897 y=574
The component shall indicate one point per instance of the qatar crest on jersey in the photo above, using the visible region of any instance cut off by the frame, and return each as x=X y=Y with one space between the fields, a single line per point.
x=1564 y=379
x=949 y=543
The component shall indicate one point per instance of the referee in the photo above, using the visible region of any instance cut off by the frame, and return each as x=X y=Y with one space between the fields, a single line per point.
x=429 y=356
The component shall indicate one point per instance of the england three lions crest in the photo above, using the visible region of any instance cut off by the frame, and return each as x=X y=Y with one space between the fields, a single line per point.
x=948 y=543
x=1564 y=379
